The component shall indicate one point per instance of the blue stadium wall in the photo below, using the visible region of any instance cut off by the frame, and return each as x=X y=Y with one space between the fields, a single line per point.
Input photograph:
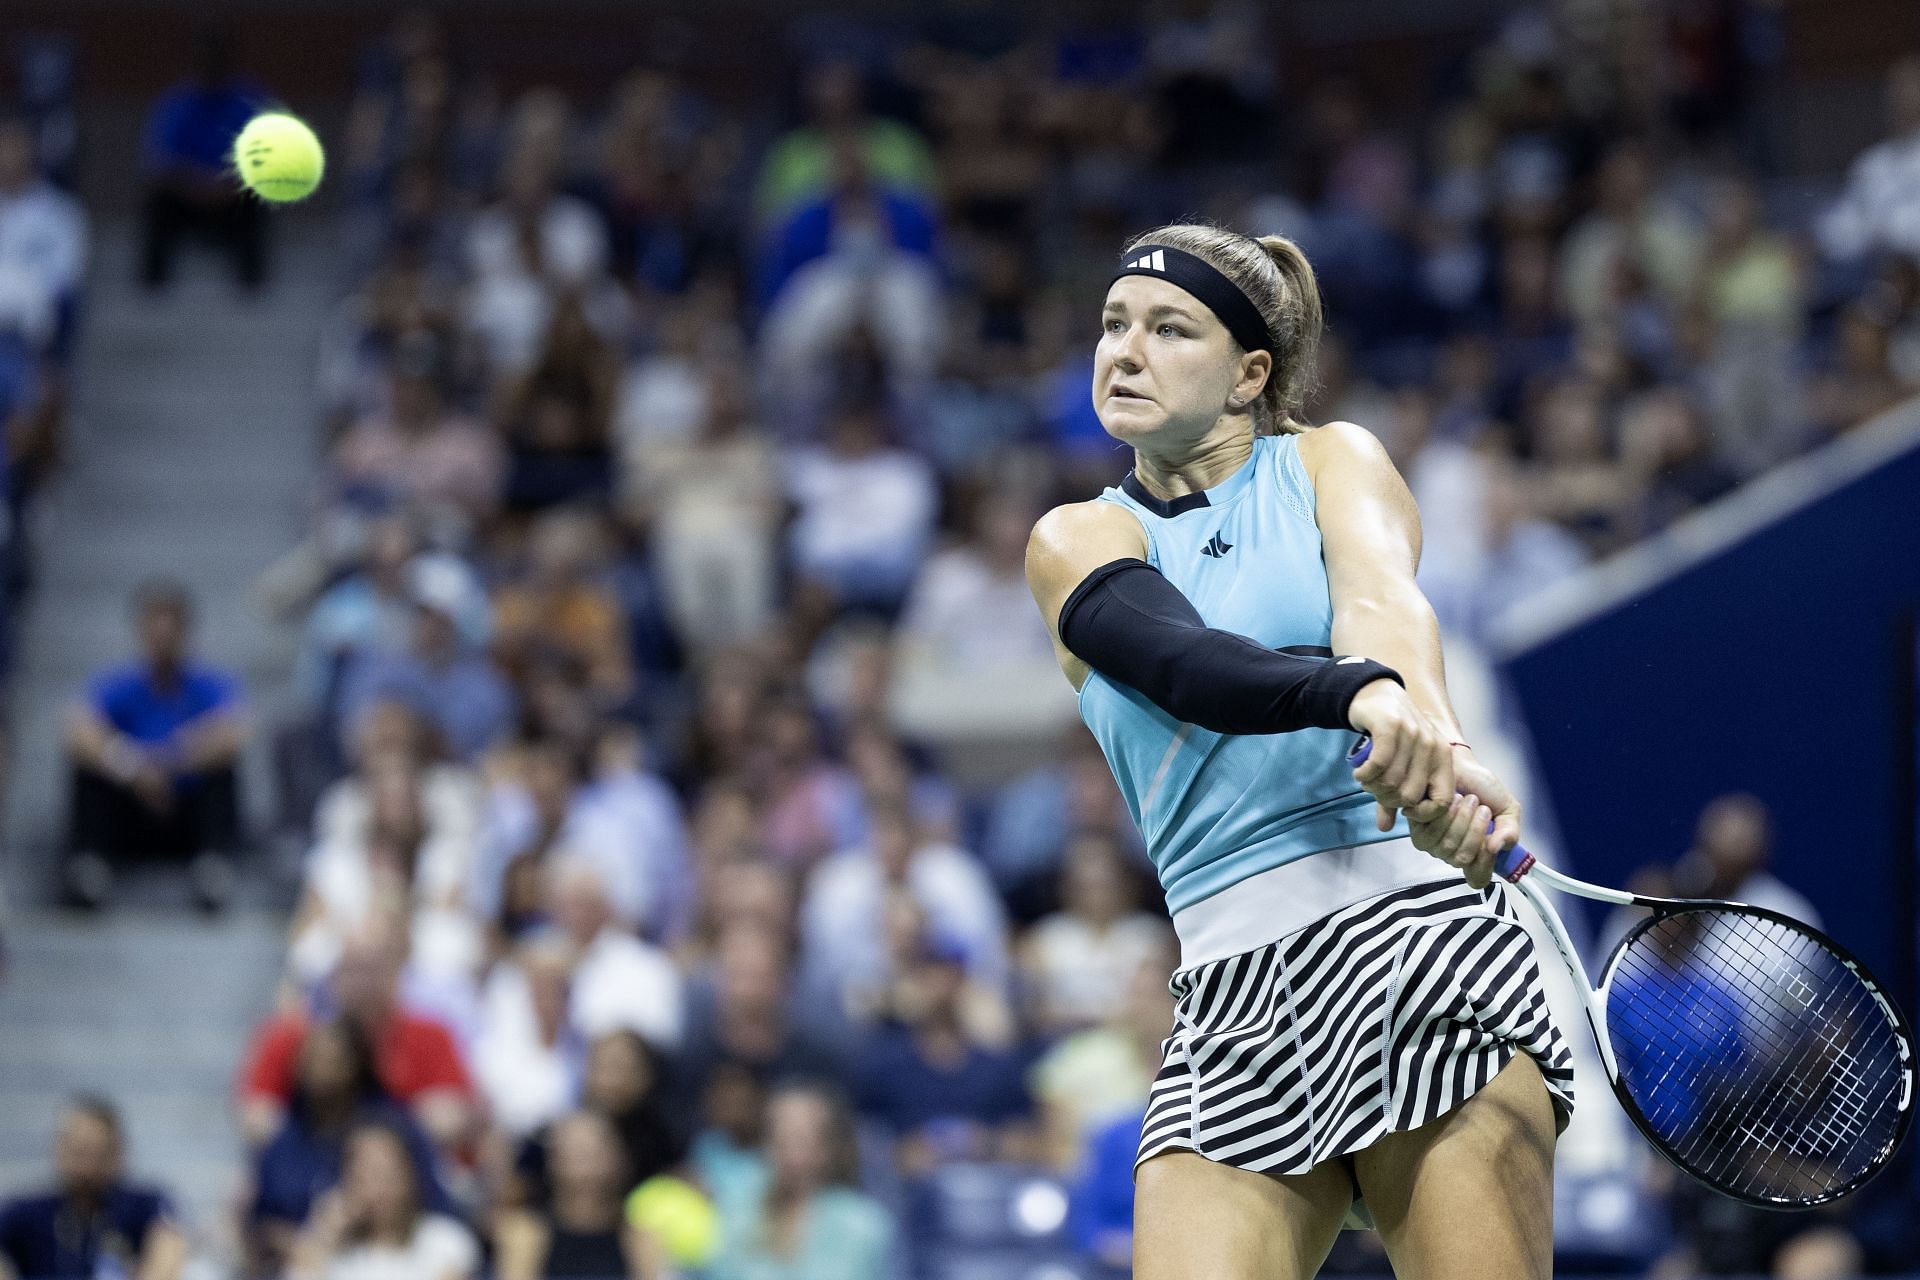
x=1766 y=645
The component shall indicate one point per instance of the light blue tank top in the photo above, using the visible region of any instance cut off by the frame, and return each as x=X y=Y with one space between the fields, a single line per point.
x=1217 y=808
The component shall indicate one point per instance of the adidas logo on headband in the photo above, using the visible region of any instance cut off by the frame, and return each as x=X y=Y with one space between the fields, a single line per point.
x=1201 y=279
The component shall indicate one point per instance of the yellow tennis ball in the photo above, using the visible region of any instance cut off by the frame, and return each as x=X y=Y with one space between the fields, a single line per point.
x=674 y=1212
x=278 y=157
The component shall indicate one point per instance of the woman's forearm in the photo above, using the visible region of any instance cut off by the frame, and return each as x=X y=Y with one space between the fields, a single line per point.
x=1398 y=628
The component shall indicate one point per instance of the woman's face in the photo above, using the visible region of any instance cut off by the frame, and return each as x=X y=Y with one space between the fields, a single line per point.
x=584 y=1152
x=1095 y=885
x=1165 y=366
x=618 y=1073
x=798 y=1136
x=326 y=1063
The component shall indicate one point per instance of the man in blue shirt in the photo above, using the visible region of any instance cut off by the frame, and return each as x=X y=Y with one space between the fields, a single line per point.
x=154 y=749
x=191 y=188
x=93 y=1222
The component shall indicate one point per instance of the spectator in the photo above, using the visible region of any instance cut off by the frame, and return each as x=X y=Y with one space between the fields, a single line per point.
x=94 y=1221
x=1876 y=212
x=1102 y=1216
x=1577 y=480
x=746 y=1012
x=795 y=1214
x=1033 y=817
x=376 y=1224
x=1630 y=225
x=526 y=1054
x=713 y=504
x=1860 y=380
x=582 y=1234
x=371 y=610
x=336 y=1088
x=799 y=166
x=1731 y=847
x=929 y=1081
x=1096 y=1076
x=419 y=1063
x=1751 y=293
x=622 y=826
x=43 y=240
x=624 y=1081
x=864 y=514
x=973 y=656
x=1079 y=961
x=1517 y=553
x=851 y=273
x=810 y=804
x=439 y=675
x=391 y=859
x=619 y=982
x=1665 y=445
x=519 y=250
x=557 y=417
x=419 y=450
x=154 y=753
x=190 y=186
x=844 y=910
x=561 y=606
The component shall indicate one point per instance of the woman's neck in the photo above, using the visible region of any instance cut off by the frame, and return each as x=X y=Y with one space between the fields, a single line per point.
x=1211 y=460
x=584 y=1209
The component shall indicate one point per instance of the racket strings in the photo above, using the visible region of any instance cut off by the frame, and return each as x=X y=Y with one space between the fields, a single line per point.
x=1759 y=1060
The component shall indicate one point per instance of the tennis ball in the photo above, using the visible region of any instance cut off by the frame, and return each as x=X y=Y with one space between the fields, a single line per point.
x=278 y=157
x=674 y=1212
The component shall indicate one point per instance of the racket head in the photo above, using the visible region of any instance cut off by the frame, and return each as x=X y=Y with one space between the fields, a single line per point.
x=1755 y=1053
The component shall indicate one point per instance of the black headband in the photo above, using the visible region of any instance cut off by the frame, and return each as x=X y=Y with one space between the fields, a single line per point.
x=1199 y=277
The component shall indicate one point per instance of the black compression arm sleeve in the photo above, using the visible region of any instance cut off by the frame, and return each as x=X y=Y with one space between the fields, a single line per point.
x=1128 y=622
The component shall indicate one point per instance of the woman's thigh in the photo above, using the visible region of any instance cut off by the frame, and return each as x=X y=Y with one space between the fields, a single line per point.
x=1471 y=1194
x=1196 y=1219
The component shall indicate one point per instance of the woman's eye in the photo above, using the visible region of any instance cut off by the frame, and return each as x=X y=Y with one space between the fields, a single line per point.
x=1168 y=331
x=1114 y=326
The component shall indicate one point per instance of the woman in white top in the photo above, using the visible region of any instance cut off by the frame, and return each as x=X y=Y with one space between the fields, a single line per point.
x=373 y=1227
x=1078 y=961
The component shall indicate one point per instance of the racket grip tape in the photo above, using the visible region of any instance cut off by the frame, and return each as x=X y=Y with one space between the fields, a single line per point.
x=1510 y=865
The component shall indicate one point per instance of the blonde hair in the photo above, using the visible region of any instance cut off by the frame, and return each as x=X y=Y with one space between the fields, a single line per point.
x=1278 y=280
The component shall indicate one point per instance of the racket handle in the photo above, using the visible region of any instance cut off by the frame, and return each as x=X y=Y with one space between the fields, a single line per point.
x=1509 y=866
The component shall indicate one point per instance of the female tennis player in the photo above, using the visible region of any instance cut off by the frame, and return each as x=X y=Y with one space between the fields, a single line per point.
x=1360 y=1029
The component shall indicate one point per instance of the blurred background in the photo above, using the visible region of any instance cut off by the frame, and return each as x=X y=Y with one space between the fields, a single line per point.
x=528 y=750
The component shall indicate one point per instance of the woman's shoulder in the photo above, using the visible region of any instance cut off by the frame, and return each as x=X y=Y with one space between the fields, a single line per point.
x=1075 y=524
x=1335 y=441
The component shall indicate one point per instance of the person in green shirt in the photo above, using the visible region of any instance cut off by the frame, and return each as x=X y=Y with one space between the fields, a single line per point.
x=798 y=168
x=794 y=1214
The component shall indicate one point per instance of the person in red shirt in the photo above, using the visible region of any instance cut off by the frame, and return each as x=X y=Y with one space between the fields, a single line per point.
x=416 y=1057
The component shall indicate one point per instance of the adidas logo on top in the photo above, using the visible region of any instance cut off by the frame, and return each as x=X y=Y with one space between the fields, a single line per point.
x=1215 y=547
x=1155 y=261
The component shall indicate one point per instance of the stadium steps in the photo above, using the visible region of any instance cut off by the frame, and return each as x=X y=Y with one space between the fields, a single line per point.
x=190 y=453
x=153 y=1010
x=192 y=448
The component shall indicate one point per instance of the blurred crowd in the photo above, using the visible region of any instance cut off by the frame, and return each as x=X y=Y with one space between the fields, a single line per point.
x=705 y=870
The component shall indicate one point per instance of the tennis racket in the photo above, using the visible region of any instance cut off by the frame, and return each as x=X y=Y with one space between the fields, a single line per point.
x=1753 y=1051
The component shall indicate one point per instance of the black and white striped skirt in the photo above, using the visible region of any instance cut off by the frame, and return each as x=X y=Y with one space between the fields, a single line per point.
x=1375 y=1019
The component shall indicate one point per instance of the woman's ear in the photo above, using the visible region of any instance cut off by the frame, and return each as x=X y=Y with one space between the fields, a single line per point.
x=1255 y=368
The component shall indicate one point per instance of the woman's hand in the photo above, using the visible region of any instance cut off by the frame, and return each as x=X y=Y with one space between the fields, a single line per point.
x=1411 y=763
x=1481 y=823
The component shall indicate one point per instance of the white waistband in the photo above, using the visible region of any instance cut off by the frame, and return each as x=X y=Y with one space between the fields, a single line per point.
x=1267 y=907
